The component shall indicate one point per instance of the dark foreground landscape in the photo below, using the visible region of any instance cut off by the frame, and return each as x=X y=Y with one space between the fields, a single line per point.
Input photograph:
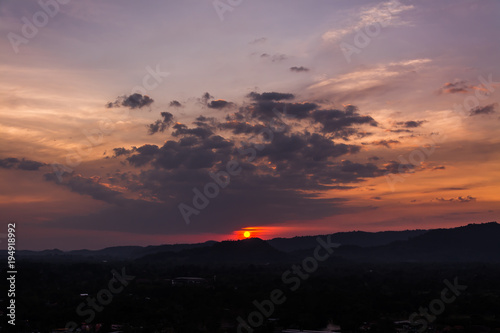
x=443 y=280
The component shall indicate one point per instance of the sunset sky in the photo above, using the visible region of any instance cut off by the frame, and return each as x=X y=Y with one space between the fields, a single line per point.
x=332 y=115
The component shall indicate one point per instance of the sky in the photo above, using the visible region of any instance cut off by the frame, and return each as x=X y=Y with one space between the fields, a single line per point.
x=146 y=123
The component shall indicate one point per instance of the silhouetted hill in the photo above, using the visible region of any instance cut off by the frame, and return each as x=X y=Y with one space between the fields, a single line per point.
x=111 y=253
x=471 y=243
x=247 y=251
x=358 y=238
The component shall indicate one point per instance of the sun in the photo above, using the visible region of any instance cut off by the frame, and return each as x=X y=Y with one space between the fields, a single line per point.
x=246 y=234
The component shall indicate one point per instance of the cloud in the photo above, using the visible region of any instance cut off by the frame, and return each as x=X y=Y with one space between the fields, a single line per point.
x=122 y=151
x=368 y=83
x=270 y=96
x=29 y=165
x=175 y=104
x=161 y=125
x=458 y=199
x=89 y=186
x=275 y=57
x=458 y=87
x=385 y=143
x=384 y=13
x=340 y=122
x=400 y=131
x=182 y=130
x=397 y=167
x=258 y=40
x=285 y=152
x=206 y=97
x=299 y=69
x=23 y=164
x=134 y=101
x=411 y=123
x=483 y=110
x=219 y=104
x=9 y=162
x=241 y=127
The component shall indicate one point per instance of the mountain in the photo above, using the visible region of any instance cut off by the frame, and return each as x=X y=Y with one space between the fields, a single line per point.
x=110 y=253
x=247 y=251
x=357 y=238
x=471 y=243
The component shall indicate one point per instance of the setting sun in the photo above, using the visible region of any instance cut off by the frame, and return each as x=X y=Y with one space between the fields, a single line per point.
x=246 y=234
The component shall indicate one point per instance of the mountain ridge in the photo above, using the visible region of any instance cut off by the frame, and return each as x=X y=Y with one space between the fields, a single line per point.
x=472 y=242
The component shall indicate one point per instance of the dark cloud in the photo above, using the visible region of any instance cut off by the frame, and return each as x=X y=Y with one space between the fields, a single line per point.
x=241 y=127
x=168 y=118
x=339 y=122
x=480 y=110
x=299 y=69
x=157 y=126
x=219 y=104
x=161 y=125
x=122 y=151
x=286 y=154
x=373 y=158
x=458 y=199
x=209 y=122
x=275 y=57
x=206 y=97
x=266 y=110
x=143 y=155
x=270 y=96
x=385 y=143
x=9 y=162
x=134 y=101
x=411 y=123
x=23 y=164
x=182 y=130
x=400 y=131
x=189 y=152
x=89 y=186
x=455 y=88
x=29 y=165
x=175 y=103
x=397 y=167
